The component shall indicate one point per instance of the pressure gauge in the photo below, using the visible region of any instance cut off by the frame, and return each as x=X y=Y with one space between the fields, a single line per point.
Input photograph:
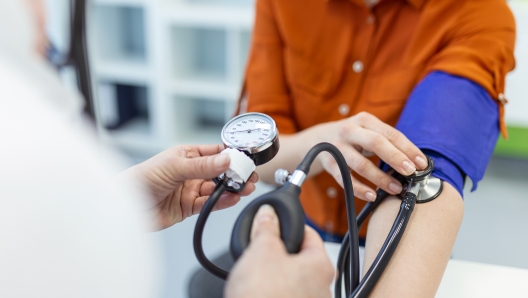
x=255 y=134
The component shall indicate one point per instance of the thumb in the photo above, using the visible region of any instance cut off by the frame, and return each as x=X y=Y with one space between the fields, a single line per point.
x=265 y=223
x=205 y=167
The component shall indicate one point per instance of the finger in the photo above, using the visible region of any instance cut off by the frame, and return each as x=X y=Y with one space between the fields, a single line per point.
x=365 y=168
x=248 y=189
x=205 y=167
x=360 y=190
x=312 y=242
x=254 y=178
x=377 y=143
x=265 y=223
x=398 y=139
x=367 y=153
x=225 y=201
x=265 y=242
x=206 y=150
x=206 y=189
x=330 y=166
x=363 y=191
x=314 y=252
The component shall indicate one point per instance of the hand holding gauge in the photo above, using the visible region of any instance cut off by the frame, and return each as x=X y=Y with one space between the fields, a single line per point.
x=252 y=135
x=258 y=145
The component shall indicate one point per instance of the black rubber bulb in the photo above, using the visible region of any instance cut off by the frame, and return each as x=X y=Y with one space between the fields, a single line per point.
x=285 y=201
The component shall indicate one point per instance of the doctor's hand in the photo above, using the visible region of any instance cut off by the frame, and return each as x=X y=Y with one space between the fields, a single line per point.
x=363 y=135
x=265 y=269
x=179 y=181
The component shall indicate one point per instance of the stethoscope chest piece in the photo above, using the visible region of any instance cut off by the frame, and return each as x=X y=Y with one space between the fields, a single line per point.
x=430 y=189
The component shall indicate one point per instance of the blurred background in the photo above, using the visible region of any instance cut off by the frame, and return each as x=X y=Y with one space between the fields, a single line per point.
x=169 y=72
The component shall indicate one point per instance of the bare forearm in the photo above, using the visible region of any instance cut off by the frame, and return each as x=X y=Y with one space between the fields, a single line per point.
x=419 y=262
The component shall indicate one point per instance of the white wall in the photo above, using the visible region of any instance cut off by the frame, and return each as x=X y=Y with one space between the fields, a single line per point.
x=517 y=81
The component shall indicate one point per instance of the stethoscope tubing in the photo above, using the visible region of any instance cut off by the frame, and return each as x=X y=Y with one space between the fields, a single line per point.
x=348 y=258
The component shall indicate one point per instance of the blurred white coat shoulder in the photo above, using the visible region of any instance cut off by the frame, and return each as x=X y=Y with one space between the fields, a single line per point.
x=66 y=228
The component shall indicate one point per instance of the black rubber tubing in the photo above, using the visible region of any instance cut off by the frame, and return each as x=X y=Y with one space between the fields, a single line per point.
x=388 y=248
x=199 y=228
x=349 y=197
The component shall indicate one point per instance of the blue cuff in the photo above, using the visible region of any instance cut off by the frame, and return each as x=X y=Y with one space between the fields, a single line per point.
x=447 y=171
x=457 y=120
x=443 y=169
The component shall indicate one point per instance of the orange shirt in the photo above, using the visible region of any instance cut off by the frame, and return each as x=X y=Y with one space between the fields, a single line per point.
x=314 y=61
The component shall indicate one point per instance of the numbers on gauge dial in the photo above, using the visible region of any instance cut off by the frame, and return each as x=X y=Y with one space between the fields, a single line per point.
x=249 y=132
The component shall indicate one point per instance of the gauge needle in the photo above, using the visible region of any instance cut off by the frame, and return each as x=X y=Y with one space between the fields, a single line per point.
x=247 y=130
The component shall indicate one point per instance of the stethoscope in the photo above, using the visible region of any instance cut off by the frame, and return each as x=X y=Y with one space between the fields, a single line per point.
x=256 y=135
x=77 y=55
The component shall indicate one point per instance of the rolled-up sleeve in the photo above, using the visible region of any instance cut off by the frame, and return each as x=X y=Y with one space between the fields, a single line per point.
x=479 y=47
x=453 y=119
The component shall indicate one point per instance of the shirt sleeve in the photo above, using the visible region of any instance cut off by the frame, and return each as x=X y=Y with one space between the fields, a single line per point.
x=265 y=89
x=447 y=170
x=454 y=120
x=479 y=47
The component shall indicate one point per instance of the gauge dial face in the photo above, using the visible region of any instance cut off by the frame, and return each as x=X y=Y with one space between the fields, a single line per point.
x=250 y=130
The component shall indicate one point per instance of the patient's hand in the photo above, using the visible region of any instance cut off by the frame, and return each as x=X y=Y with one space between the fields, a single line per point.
x=362 y=135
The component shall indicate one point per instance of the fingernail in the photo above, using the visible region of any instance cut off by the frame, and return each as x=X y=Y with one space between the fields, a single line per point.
x=265 y=213
x=420 y=162
x=221 y=160
x=408 y=168
x=370 y=196
x=395 y=187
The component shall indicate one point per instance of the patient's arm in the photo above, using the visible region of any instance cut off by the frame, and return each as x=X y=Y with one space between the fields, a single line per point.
x=419 y=262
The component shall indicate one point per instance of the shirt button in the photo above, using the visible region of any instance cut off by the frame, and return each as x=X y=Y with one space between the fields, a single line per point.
x=343 y=109
x=370 y=20
x=331 y=192
x=329 y=226
x=357 y=66
x=502 y=99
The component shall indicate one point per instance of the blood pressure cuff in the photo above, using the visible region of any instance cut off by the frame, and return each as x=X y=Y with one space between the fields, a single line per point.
x=456 y=122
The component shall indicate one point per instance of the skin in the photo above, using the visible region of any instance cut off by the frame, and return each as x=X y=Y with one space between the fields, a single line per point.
x=179 y=181
x=265 y=269
x=425 y=248
x=356 y=137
